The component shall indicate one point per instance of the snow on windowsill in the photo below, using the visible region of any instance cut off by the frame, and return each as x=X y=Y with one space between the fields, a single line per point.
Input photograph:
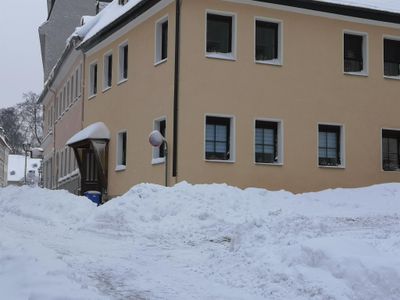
x=362 y=74
x=106 y=89
x=122 y=81
x=224 y=56
x=160 y=62
x=219 y=161
x=391 y=77
x=272 y=62
x=277 y=164
x=92 y=96
x=120 y=168
x=158 y=161
x=341 y=167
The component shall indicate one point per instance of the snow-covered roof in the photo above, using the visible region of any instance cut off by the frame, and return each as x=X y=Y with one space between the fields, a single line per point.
x=95 y=131
x=16 y=167
x=383 y=5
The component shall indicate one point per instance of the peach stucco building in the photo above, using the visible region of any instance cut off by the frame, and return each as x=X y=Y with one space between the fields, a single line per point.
x=300 y=95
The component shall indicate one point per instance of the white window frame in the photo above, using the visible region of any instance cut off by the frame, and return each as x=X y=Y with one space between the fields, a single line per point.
x=77 y=87
x=155 y=151
x=106 y=66
x=158 y=40
x=224 y=56
x=279 y=60
x=91 y=79
x=342 y=146
x=120 y=167
x=281 y=144
x=365 y=50
x=393 y=38
x=232 y=138
x=121 y=78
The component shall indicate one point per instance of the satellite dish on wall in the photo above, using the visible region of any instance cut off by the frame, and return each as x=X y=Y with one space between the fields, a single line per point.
x=156 y=139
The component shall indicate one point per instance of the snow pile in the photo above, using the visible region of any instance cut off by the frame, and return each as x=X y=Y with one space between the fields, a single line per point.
x=201 y=242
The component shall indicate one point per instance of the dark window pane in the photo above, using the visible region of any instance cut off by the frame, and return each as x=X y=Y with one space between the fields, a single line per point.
x=123 y=149
x=266 y=142
x=219 y=33
x=392 y=57
x=266 y=40
x=162 y=131
x=125 y=62
x=217 y=138
x=391 y=150
x=164 y=40
x=109 y=71
x=353 y=53
x=95 y=79
x=329 y=145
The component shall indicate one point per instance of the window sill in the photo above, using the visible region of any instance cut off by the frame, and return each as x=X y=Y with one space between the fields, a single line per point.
x=278 y=164
x=274 y=62
x=106 y=89
x=122 y=81
x=158 y=161
x=160 y=62
x=219 y=161
x=391 y=77
x=342 y=167
x=92 y=96
x=120 y=168
x=362 y=74
x=223 y=56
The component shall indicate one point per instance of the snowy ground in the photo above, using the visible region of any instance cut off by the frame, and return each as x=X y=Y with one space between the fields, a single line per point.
x=201 y=242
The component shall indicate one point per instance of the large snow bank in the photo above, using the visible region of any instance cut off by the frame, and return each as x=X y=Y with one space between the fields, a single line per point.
x=201 y=242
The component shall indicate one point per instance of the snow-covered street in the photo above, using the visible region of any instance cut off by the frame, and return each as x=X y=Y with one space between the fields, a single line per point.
x=201 y=242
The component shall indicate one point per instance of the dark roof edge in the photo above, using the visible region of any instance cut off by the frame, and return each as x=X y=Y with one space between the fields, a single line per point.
x=56 y=69
x=340 y=9
x=117 y=24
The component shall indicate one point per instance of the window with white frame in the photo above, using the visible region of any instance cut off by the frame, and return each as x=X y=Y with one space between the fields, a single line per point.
x=121 y=150
x=220 y=35
x=218 y=138
x=159 y=153
x=68 y=93
x=392 y=57
x=391 y=150
x=268 y=41
x=268 y=142
x=107 y=71
x=355 y=53
x=93 y=79
x=77 y=87
x=64 y=98
x=72 y=87
x=123 y=62
x=161 y=51
x=330 y=145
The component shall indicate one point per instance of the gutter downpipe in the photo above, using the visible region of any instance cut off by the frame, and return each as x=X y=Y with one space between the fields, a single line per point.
x=176 y=90
x=51 y=90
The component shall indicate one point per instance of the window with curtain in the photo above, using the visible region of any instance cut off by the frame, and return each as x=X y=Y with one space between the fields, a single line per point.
x=353 y=53
x=329 y=145
x=266 y=142
x=218 y=138
x=219 y=33
x=267 y=35
x=392 y=57
x=391 y=150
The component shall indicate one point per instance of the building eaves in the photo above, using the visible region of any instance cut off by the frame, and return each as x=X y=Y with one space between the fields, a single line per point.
x=56 y=69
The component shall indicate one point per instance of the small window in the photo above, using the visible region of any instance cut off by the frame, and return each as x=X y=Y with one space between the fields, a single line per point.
x=329 y=145
x=76 y=83
x=161 y=40
x=220 y=39
x=93 y=79
x=68 y=93
x=391 y=150
x=64 y=98
x=218 y=138
x=267 y=142
x=159 y=152
x=123 y=62
x=121 y=149
x=392 y=57
x=72 y=88
x=107 y=71
x=267 y=42
x=355 y=51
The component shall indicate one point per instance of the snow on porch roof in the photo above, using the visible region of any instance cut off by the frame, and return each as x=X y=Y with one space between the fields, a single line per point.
x=95 y=131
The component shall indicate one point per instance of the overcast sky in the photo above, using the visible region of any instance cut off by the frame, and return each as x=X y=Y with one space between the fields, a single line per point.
x=20 y=59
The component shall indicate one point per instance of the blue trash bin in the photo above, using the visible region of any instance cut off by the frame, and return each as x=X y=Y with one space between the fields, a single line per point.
x=93 y=196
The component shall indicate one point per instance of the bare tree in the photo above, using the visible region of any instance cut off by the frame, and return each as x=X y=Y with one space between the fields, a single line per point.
x=9 y=121
x=30 y=115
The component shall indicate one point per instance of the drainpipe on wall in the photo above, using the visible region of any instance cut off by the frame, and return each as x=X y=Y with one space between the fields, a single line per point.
x=176 y=89
x=55 y=167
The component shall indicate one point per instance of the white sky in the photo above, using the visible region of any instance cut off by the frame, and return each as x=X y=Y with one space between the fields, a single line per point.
x=20 y=59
